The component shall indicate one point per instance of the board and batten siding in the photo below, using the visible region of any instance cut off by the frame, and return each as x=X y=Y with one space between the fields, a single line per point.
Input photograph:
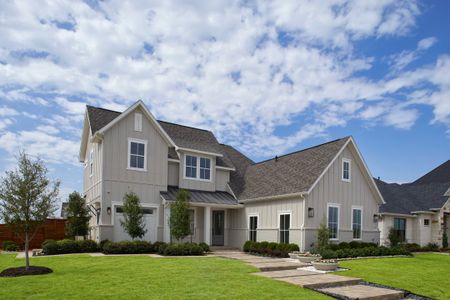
x=92 y=183
x=332 y=189
x=222 y=179
x=196 y=184
x=173 y=174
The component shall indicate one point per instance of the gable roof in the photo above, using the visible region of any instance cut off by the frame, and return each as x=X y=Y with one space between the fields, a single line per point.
x=100 y=117
x=438 y=174
x=291 y=173
x=241 y=163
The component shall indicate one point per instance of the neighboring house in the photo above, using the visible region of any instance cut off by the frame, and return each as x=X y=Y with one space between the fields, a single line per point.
x=233 y=199
x=418 y=211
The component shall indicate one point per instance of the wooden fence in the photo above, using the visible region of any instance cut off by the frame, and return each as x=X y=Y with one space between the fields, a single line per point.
x=53 y=229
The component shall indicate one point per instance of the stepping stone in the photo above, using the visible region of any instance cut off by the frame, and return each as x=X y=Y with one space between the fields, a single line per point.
x=366 y=292
x=321 y=280
x=261 y=260
x=276 y=266
x=285 y=273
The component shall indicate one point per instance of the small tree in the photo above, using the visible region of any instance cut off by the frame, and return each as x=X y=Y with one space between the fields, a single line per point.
x=133 y=216
x=179 y=216
x=77 y=216
x=323 y=236
x=393 y=237
x=27 y=199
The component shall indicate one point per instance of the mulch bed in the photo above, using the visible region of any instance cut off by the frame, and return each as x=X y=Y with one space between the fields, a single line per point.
x=22 y=271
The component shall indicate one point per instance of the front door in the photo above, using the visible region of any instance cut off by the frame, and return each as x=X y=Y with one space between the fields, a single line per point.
x=218 y=228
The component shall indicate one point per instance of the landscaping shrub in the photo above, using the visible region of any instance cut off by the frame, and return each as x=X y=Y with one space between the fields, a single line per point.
x=102 y=244
x=156 y=245
x=412 y=247
x=364 y=252
x=51 y=247
x=10 y=246
x=128 y=247
x=205 y=247
x=270 y=249
x=191 y=249
x=431 y=247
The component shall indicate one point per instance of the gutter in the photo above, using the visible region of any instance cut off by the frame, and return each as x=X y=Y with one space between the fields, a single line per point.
x=284 y=196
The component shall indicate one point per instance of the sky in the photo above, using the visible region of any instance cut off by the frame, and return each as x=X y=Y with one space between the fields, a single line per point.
x=267 y=77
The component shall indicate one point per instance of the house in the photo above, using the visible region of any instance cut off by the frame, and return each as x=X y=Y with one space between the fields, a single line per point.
x=233 y=199
x=418 y=211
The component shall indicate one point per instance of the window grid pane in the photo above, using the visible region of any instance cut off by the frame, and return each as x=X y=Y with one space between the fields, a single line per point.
x=356 y=223
x=191 y=166
x=137 y=155
x=333 y=222
x=253 y=228
x=205 y=168
x=284 y=228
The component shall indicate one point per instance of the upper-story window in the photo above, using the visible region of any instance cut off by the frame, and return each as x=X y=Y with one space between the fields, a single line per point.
x=137 y=122
x=91 y=162
x=137 y=154
x=197 y=167
x=346 y=169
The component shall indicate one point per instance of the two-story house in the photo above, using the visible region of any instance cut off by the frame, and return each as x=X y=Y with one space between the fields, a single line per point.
x=233 y=199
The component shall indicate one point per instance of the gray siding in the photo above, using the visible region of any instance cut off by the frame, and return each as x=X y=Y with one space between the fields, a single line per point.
x=194 y=184
x=222 y=179
x=174 y=174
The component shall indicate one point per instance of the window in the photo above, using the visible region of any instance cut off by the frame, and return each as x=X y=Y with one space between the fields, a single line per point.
x=194 y=163
x=137 y=155
x=191 y=166
x=145 y=211
x=192 y=221
x=91 y=162
x=356 y=223
x=285 y=224
x=137 y=122
x=400 y=229
x=426 y=222
x=205 y=168
x=346 y=169
x=253 y=227
x=333 y=221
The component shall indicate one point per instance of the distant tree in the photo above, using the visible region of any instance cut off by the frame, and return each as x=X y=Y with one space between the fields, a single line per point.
x=27 y=199
x=323 y=236
x=77 y=223
x=133 y=216
x=179 y=216
x=394 y=239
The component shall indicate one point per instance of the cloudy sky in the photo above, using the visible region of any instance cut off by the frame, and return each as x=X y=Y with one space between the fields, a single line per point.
x=266 y=77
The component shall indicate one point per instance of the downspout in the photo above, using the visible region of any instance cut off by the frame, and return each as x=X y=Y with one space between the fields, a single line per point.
x=302 y=227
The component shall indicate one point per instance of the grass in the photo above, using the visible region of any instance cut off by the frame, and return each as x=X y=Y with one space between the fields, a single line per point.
x=143 y=277
x=423 y=274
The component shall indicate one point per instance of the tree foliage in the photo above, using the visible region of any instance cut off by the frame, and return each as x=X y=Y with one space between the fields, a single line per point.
x=179 y=216
x=323 y=236
x=133 y=217
x=77 y=216
x=27 y=198
x=394 y=239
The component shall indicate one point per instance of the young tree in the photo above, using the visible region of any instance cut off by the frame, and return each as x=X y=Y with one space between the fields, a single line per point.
x=77 y=216
x=393 y=238
x=133 y=217
x=323 y=236
x=179 y=216
x=27 y=198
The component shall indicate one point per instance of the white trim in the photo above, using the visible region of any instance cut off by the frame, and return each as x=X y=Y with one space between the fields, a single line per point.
x=91 y=163
x=143 y=205
x=356 y=207
x=249 y=215
x=141 y=104
x=138 y=122
x=173 y=160
x=133 y=140
x=198 y=151
x=197 y=178
x=225 y=168
x=84 y=137
x=374 y=185
x=284 y=213
x=338 y=206
x=283 y=196
x=424 y=212
x=349 y=161
x=400 y=215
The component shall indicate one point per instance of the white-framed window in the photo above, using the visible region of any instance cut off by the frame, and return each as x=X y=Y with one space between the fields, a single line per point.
x=426 y=222
x=196 y=167
x=357 y=222
x=252 y=227
x=91 y=162
x=285 y=226
x=137 y=154
x=346 y=169
x=137 y=122
x=333 y=220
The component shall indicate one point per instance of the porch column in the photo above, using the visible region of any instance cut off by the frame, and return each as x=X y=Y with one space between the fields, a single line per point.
x=207 y=225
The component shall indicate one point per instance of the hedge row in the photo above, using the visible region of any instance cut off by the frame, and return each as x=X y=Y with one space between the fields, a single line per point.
x=351 y=245
x=270 y=249
x=10 y=246
x=363 y=252
x=51 y=247
x=141 y=247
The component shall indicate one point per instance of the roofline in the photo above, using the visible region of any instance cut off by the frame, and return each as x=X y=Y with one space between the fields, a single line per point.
x=225 y=168
x=423 y=212
x=395 y=214
x=84 y=136
x=350 y=139
x=198 y=151
x=141 y=104
x=277 y=197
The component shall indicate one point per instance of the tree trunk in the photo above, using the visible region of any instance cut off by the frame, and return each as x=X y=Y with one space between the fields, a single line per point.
x=27 y=245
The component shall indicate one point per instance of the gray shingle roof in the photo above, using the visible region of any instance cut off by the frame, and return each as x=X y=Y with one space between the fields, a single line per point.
x=201 y=196
x=439 y=174
x=241 y=163
x=100 y=117
x=292 y=173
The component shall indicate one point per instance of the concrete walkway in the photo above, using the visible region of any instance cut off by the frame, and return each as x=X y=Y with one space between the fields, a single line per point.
x=290 y=271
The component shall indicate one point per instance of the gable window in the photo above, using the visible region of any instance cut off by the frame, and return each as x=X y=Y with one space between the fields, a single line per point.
x=346 y=169
x=197 y=167
x=137 y=155
x=356 y=223
x=191 y=166
x=252 y=227
x=400 y=229
x=333 y=221
x=137 y=122
x=426 y=222
x=91 y=162
x=285 y=224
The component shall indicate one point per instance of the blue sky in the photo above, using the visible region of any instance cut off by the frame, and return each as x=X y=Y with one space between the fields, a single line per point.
x=267 y=77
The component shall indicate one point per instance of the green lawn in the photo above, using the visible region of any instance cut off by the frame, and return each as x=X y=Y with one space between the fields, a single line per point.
x=424 y=274
x=141 y=277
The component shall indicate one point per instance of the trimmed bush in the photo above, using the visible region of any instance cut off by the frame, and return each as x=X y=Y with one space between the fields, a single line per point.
x=205 y=247
x=431 y=247
x=10 y=246
x=270 y=249
x=102 y=244
x=51 y=247
x=364 y=252
x=183 y=249
x=128 y=247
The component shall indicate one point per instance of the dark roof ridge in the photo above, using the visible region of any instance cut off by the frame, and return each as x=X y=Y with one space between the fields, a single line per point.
x=190 y=127
x=96 y=107
x=301 y=150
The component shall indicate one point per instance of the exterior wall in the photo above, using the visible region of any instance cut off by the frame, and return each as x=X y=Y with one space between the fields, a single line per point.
x=195 y=184
x=387 y=221
x=222 y=179
x=268 y=221
x=332 y=189
x=174 y=174
x=92 y=183
x=423 y=233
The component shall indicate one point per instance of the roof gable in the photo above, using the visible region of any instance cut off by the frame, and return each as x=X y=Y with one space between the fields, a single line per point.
x=437 y=175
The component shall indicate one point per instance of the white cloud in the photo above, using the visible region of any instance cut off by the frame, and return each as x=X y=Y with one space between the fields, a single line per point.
x=404 y=58
x=7 y=112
